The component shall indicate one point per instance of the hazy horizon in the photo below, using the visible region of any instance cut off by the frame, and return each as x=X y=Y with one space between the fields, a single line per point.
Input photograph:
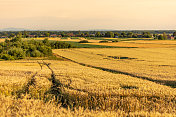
x=88 y=14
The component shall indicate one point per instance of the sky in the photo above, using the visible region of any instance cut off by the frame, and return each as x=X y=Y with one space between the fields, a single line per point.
x=88 y=14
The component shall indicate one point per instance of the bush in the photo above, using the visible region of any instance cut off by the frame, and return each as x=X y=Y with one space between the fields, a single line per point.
x=16 y=39
x=1 y=49
x=104 y=41
x=74 y=37
x=45 y=50
x=46 y=42
x=7 y=57
x=84 y=41
x=59 y=45
x=18 y=53
x=115 y=41
x=36 y=53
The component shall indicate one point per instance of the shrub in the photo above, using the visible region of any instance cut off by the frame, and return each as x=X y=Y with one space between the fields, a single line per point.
x=45 y=50
x=84 y=41
x=36 y=53
x=104 y=41
x=46 y=42
x=115 y=41
x=16 y=39
x=7 y=57
x=59 y=45
x=1 y=49
x=18 y=53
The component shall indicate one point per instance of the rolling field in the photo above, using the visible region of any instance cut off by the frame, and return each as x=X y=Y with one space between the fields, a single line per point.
x=35 y=87
x=130 y=43
x=172 y=42
x=154 y=64
x=2 y=40
x=92 y=82
x=140 y=44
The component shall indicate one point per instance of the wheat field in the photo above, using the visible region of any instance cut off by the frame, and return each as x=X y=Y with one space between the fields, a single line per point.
x=139 y=44
x=172 y=42
x=156 y=64
x=27 y=90
x=91 y=82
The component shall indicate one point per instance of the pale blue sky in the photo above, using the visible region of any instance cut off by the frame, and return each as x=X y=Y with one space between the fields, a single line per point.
x=88 y=14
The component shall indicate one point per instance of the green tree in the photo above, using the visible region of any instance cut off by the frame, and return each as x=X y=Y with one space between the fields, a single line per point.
x=116 y=34
x=18 y=53
x=47 y=34
x=147 y=35
x=160 y=37
x=82 y=34
x=97 y=34
x=19 y=35
x=87 y=34
x=164 y=36
x=174 y=34
x=12 y=35
x=123 y=35
x=25 y=34
x=109 y=34
x=129 y=34
x=46 y=41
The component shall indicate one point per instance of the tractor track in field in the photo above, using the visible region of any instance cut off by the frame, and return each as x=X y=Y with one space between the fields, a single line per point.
x=171 y=84
x=31 y=82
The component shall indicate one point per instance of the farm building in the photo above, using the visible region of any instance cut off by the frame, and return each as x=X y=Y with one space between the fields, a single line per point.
x=169 y=37
x=53 y=35
x=41 y=35
x=116 y=36
x=70 y=34
x=139 y=36
x=31 y=36
x=3 y=37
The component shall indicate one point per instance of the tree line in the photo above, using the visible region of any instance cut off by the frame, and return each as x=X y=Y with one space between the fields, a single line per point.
x=110 y=34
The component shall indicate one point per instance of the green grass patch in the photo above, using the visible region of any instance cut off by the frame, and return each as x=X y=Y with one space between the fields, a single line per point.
x=64 y=37
x=74 y=37
x=134 y=39
x=79 y=45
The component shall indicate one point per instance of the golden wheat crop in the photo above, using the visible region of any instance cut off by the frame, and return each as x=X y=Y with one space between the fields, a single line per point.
x=30 y=108
x=44 y=88
x=171 y=42
x=138 y=44
x=129 y=93
x=2 y=40
x=156 y=64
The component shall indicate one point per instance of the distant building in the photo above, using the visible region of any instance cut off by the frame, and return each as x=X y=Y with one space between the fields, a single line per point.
x=169 y=37
x=92 y=35
x=41 y=35
x=31 y=36
x=70 y=34
x=116 y=36
x=3 y=37
x=174 y=37
x=59 y=35
x=139 y=36
x=53 y=35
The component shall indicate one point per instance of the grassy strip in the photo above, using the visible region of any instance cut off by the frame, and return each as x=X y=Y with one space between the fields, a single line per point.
x=79 y=45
